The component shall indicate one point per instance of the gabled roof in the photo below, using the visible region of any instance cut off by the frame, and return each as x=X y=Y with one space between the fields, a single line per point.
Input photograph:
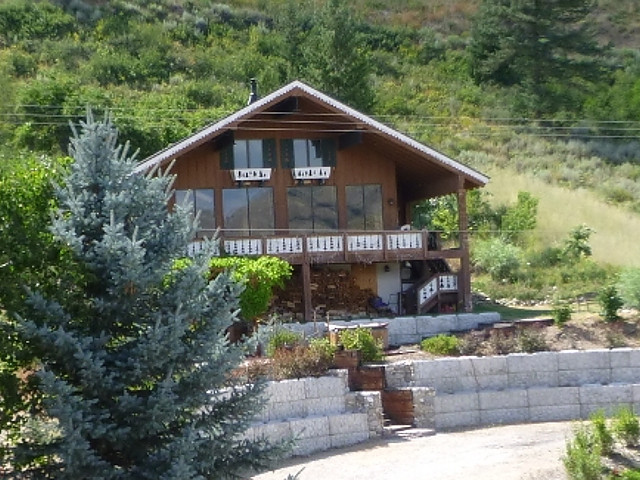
x=212 y=131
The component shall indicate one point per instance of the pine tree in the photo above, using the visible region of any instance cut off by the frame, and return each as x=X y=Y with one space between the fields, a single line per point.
x=135 y=370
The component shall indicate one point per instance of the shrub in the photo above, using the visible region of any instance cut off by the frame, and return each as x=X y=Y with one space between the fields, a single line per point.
x=282 y=339
x=629 y=287
x=300 y=361
x=626 y=426
x=582 y=459
x=610 y=302
x=531 y=341
x=441 y=345
x=501 y=260
x=561 y=313
x=323 y=347
x=601 y=433
x=362 y=339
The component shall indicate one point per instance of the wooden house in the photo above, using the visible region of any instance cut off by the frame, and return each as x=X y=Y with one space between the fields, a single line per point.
x=301 y=176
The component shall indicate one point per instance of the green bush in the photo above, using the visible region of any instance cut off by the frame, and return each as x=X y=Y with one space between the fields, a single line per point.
x=626 y=426
x=323 y=347
x=441 y=345
x=561 y=313
x=601 y=434
x=362 y=339
x=610 y=302
x=629 y=287
x=300 y=361
x=582 y=459
x=531 y=341
x=282 y=339
x=501 y=260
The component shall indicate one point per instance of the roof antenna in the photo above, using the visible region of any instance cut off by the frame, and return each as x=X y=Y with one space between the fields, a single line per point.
x=254 y=92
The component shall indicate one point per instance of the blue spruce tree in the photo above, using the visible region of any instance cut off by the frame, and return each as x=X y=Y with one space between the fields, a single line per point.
x=135 y=369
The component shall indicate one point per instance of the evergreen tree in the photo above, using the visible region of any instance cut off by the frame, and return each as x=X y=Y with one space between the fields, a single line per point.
x=135 y=372
x=545 y=47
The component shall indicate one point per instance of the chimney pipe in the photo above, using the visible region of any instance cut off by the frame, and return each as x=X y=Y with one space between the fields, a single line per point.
x=253 y=96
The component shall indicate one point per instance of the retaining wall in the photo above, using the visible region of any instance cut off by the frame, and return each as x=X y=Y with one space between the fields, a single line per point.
x=404 y=330
x=319 y=413
x=518 y=388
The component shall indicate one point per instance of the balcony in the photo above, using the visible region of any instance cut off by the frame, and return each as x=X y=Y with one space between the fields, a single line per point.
x=334 y=246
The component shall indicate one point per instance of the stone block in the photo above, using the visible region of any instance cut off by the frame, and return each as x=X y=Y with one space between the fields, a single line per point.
x=450 y=421
x=285 y=390
x=533 y=379
x=431 y=326
x=549 y=397
x=536 y=362
x=606 y=394
x=399 y=375
x=634 y=357
x=287 y=410
x=348 y=423
x=555 y=413
x=325 y=406
x=310 y=427
x=507 y=399
x=403 y=339
x=570 y=378
x=274 y=431
x=625 y=374
x=584 y=360
x=620 y=358
x=504 y=416
x=459 y=402
x=347 y=439
x=467 y=321
x=635 y=389
x=318 y=387
x=489 y=365
x=493 y=382
x=402 y=326
x=307 y=446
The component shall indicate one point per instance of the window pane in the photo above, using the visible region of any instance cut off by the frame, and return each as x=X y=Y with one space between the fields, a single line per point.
x=181 y=195
x=355 y=208
x=261 y=210
x=300 y=153
x=325 y=211
x=240 y=159
x=373 y=207
x=255 y=154
x=235 y=209
x=299 y=205
x=315 y=153
x=204 y=205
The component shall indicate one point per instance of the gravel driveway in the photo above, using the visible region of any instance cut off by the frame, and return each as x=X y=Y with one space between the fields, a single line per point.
x=514 y=452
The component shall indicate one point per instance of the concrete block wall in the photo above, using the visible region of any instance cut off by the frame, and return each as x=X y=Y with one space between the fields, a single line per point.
x=318 y=414
x=517 y=388
x=402 y=330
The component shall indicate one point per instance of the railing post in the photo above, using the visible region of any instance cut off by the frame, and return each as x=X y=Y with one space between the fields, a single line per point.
x=306 y=281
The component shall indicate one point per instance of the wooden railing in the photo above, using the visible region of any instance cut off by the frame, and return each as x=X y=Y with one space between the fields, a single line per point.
x=439 y=283
x=330 y=247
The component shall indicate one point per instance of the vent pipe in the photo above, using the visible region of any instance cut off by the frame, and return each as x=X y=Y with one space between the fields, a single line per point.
x=253 y=96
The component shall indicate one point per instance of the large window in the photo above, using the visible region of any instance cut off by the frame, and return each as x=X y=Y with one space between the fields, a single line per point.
x=301 y=153
x=248 y=210
x=249 y=154
x=364 y=207
x=312 y=208
x=200 y=201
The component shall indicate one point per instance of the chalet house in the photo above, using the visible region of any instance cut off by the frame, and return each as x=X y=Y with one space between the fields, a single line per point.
x=301 y=176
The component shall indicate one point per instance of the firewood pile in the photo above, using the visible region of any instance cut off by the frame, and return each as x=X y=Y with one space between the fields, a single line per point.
x=334 y=292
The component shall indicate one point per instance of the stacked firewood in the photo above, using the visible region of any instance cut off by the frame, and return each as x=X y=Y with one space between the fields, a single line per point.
x=333 y=292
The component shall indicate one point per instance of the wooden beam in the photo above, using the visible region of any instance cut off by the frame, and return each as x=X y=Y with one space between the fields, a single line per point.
x=349 y=139
x=464 y=282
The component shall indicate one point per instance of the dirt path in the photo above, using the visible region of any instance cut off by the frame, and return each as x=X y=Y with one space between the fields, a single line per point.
x=514 y=452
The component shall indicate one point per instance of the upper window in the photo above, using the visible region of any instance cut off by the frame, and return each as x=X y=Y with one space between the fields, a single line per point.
x=249 y=154
x=364 y=207
x=201 y=201
x=302 y=153
x=248 y=210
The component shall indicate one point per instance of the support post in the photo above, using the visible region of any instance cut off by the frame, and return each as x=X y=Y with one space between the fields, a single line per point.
x=464 y=282
x=306 y=291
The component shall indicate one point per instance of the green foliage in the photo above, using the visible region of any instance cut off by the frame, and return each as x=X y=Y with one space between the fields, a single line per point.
x=258 y=277
x=300 y=361
x=501 y=260
x=602 y=435
x=610 y=302
x=363 y=340
x=520 y=218
x=577 y=245
x=135 y=372
x=582 y=455
x=625 y=426
x=561 y=313
x=282 y=339
x=629 y=287
x=21 y=20
x=441 y=345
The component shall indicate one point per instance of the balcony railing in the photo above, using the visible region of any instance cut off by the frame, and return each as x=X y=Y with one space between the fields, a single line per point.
x=329 y=247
